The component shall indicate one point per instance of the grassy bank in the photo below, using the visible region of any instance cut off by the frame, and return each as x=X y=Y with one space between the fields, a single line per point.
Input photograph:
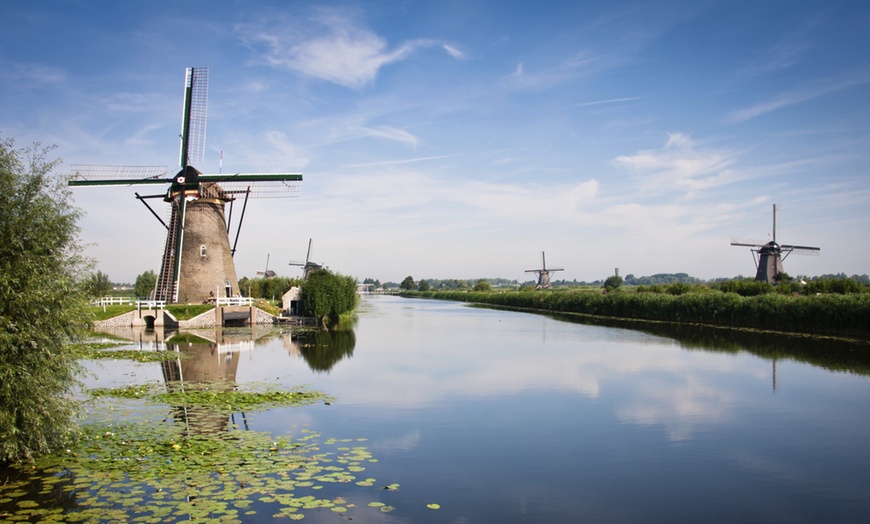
x=826 y=314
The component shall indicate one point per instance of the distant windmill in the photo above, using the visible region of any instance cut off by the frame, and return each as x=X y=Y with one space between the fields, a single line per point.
x=543 y=273
x=768 y=257
x=308 y=266
x=197 y=258
x=267 y=273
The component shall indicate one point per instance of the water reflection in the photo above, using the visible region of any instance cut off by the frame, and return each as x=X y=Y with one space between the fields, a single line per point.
x=322 y=349
x=202 y=364
x=212 y=354
x=833 y=354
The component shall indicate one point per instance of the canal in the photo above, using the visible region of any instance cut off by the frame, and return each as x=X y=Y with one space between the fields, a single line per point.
x=474 y=415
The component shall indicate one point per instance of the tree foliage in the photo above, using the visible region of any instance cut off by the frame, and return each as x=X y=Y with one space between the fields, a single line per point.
x=97 y=285
x=145 y=284
x=612 y=282
x=42 y=304
x=326 y=296
x=482 y=285
x=272 y=288
x=408 y=283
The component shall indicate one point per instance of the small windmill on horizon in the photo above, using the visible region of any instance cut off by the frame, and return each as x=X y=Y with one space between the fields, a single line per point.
x=308 y=266
x=543 y=273
x=768 y=256
x=197 y=261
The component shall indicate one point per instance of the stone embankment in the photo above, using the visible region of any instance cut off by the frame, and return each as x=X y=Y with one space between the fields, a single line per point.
x=208 y=319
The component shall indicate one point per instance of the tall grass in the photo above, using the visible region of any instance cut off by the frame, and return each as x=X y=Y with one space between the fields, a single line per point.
x=828 y=314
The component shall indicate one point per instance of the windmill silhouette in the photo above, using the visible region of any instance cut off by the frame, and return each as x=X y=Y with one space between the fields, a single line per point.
x=308 y=266
x=267 y=273
x=768 y=257
x=197 y=257
x=543 y=273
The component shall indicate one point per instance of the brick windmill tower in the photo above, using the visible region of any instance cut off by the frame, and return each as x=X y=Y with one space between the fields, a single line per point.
x=197 y=263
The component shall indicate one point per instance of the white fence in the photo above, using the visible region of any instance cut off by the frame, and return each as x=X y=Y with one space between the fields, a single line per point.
x=109 y=301
x=160 y=304
x=150 y=304
x=235 y=301
x=120 y=301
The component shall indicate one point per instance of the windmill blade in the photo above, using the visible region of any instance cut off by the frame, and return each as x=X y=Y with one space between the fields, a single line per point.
x=194 y=115
x=802 y=250
x=748 y=242
x=266 y=185
x=109 y=175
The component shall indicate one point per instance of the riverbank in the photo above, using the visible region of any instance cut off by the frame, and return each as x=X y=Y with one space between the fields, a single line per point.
x=824 y=315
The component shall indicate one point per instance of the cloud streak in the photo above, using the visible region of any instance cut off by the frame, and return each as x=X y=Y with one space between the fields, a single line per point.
x=799 y=96
x=335 y=48
x=680 y=165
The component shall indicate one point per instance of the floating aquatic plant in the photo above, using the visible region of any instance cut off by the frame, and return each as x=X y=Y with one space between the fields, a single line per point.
x=147 y=469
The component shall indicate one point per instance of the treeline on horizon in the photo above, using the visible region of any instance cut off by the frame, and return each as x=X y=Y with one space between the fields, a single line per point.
x=275 y=287
x=659 y=279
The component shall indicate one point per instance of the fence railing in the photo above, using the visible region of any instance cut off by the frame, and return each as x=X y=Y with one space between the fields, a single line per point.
x=110 y=301
x=150 y=304
x=235 y=301
x=161 y=304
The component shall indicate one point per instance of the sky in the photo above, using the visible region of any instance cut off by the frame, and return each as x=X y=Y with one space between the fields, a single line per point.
x=463 y=139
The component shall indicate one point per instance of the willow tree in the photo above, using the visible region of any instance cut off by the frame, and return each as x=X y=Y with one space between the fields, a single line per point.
x=327 y=296
x=42 y=304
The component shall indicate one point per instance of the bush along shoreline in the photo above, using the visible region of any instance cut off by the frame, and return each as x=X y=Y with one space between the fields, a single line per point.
x=822 y=315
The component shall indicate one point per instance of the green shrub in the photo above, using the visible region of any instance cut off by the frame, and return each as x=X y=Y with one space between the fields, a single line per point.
x=327 y=296
x=42 y=305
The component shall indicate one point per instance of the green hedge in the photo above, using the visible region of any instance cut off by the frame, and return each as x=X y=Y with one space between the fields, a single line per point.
x=831 y=314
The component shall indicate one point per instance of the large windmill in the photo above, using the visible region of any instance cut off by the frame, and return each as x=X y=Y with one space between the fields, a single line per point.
x=197 y=259
x=768 y=257
x=543 y=273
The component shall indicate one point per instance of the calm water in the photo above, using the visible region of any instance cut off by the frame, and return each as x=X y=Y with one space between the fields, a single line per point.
x=503 y=416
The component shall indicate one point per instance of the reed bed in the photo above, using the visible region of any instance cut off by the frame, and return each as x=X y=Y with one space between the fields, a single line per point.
x=825 y=314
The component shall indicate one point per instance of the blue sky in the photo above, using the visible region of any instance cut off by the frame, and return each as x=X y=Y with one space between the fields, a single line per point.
x=461 y=139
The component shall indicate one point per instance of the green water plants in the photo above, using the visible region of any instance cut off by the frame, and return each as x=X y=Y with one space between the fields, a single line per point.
x=161 y=465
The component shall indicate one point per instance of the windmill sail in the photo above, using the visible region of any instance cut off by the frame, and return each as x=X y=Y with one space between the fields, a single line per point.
x=543 y=273
x=194 y=115
x=768 y=257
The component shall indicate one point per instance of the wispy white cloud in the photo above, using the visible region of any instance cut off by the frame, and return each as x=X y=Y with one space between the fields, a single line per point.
x=519 y=79
x=402 y=161
x=333 y=46
x=608 y=101
x=680 y=165
x=789 y=50
x=800 y=95
x=390 y=133
x=26 y=76
x=453 y=51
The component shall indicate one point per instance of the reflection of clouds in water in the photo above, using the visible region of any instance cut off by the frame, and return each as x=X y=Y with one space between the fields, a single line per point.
x=767 y=467
x=405 y=442
x=677 y=407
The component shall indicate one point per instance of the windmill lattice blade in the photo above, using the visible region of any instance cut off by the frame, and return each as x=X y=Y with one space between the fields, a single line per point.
x=262 y=185
x=197 y=80
x=803 y=250
x=104 y=175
